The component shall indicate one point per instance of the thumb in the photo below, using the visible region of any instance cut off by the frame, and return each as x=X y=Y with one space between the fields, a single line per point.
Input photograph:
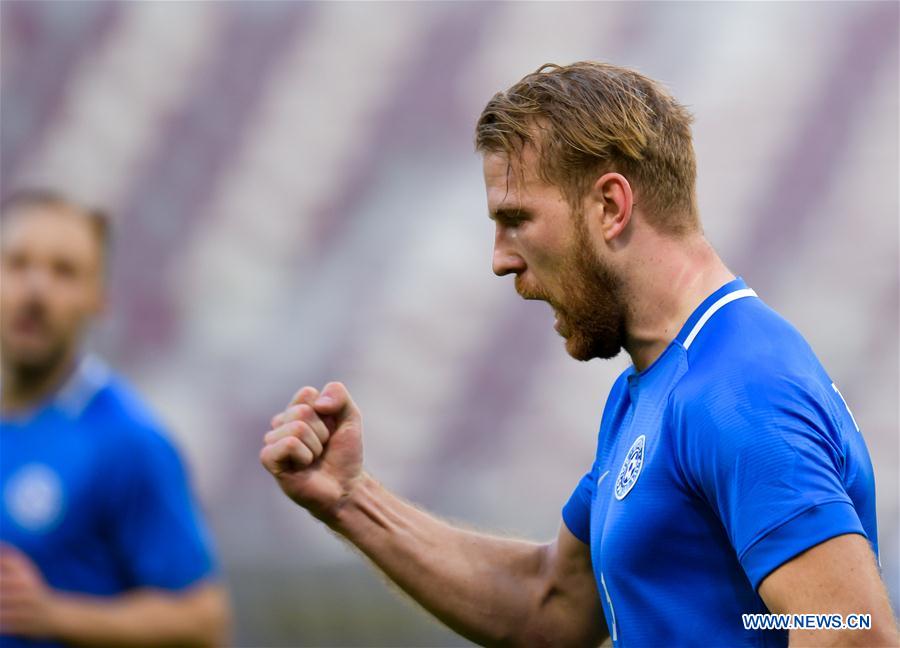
x=334 y=400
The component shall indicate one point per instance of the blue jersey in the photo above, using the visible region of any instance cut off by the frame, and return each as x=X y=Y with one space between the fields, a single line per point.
x=731 y=454
x=95 y=495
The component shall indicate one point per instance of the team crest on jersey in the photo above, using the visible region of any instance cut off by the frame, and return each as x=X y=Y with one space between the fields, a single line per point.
x=34 y=497
x=631 y=468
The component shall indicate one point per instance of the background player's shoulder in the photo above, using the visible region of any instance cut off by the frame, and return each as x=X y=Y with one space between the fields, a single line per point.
x=118 y=401
x=121 y=416
x=125 y=427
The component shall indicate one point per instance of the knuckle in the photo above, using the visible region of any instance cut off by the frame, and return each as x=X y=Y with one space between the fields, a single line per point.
x=304 y=393
x=309 y=438
x=335 y=387
x=299 y=449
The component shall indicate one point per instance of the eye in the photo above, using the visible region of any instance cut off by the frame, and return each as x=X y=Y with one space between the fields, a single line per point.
x=65 y=269
x=13 y=262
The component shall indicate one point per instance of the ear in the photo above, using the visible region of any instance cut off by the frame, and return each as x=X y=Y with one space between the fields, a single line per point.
x=610 y=202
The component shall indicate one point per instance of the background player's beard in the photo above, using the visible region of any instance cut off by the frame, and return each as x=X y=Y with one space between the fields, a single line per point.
x=26 y=369
x=592 y=319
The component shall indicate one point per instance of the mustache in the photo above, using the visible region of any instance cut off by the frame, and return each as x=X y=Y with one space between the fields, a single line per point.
x=33 y=310
x=530 y=294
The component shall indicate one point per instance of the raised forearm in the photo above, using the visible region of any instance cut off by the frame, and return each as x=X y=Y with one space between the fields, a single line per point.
x=493 y=590
x=199 y=617
x=483 y=587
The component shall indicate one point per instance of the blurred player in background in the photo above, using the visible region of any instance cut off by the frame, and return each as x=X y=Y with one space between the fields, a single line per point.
x=101 y=541
x=730 y=477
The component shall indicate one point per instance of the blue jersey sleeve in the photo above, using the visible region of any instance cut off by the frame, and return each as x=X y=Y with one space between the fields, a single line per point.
x=577 y=511
x=766 y=452
x=158 y=532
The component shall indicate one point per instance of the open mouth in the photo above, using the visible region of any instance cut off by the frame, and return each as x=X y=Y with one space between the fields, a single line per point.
x=29 y=326
x=558 y=320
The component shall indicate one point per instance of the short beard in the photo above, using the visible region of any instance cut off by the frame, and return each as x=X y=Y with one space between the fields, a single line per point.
x=30 y=373
x=593 y=319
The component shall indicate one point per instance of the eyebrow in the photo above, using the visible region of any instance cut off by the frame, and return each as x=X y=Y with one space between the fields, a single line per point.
x=509 y=214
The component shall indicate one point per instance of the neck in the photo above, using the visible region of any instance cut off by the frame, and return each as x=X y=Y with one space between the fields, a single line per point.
x=673 y=280
x=25 y=387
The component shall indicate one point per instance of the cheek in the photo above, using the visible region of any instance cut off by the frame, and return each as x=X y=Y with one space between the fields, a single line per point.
x=70 y=302
x=8 y=306
x=542 y=251
x=13 y=290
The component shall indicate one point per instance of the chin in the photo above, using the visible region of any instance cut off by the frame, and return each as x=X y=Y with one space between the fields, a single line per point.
x=34 y=358
x=583 y=348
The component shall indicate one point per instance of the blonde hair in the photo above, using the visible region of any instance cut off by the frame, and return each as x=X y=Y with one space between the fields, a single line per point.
x=589 y=118
x=97 y=219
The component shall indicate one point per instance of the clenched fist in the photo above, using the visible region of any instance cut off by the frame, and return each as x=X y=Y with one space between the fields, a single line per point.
x=314 y=449
x=27 y=606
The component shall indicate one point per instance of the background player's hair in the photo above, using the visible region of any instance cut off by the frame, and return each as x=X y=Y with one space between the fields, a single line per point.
x=98 y=219
x=588 y=117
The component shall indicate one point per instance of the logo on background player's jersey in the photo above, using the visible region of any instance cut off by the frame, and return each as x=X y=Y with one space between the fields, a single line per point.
x=631 y=468
x=34 y=497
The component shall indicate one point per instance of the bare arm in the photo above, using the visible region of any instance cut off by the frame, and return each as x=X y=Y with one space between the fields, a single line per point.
x=197 y=616
x=839 y=576
x=492 y=590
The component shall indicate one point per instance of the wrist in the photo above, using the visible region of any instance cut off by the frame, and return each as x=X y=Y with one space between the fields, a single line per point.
x=342 y=517
x=57 y=615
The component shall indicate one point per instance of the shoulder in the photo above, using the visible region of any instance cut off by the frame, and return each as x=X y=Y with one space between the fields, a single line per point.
x=118 y=401
x=119 y=417
x=752 y=378
x=748 y=333
x=748 y=356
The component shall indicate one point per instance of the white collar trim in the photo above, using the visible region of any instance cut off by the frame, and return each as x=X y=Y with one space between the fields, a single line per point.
x=90 y=376
x=724 y=299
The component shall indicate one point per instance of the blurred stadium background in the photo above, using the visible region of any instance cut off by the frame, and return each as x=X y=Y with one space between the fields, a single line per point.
x=297 y=200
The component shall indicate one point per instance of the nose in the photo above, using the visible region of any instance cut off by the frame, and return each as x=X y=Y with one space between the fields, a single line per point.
x=37 y=280
x=506 y=260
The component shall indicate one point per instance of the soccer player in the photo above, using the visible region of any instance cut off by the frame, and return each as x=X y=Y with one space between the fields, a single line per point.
x=101 y=542
x=729 y=478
